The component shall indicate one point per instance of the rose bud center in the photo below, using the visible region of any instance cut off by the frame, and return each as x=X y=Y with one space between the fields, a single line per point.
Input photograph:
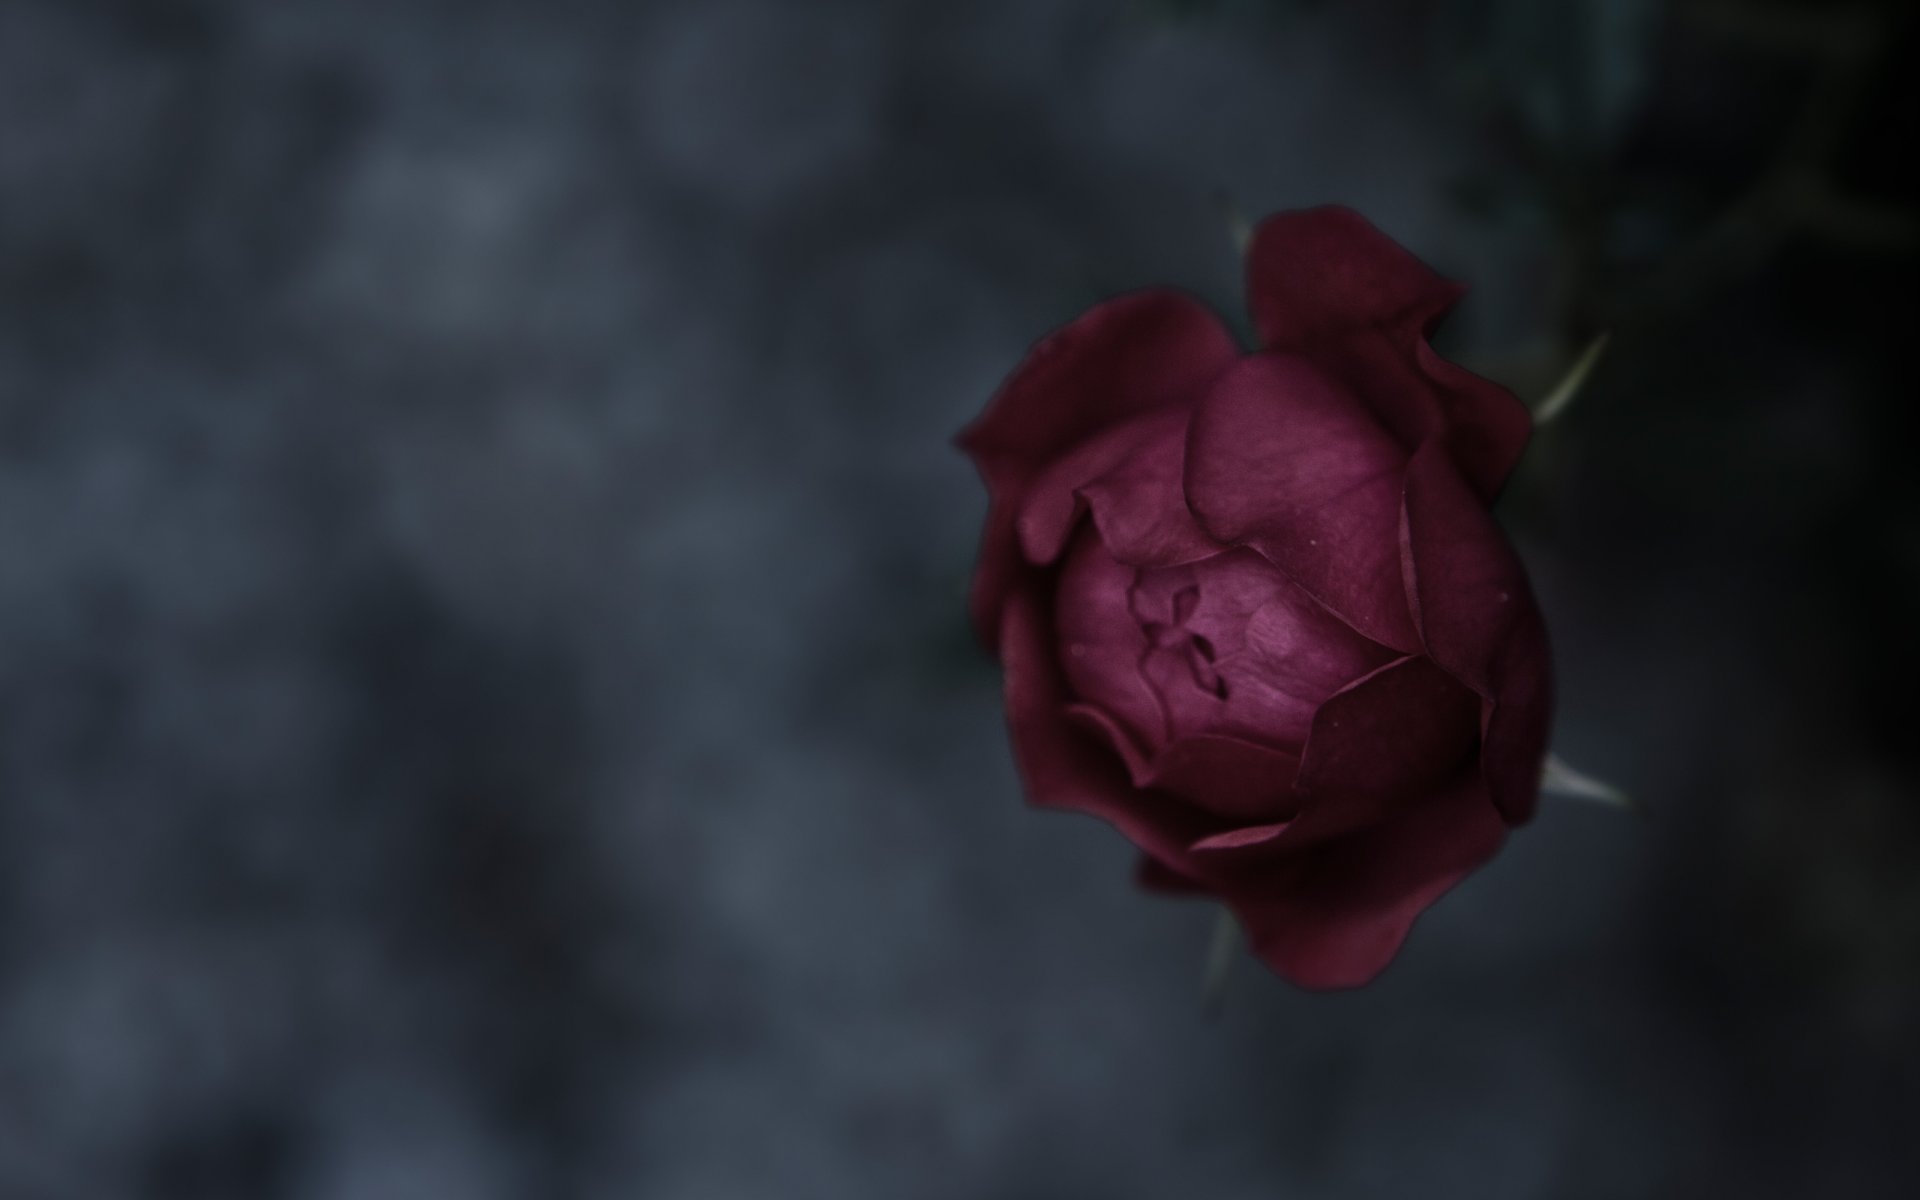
x=1224 y=647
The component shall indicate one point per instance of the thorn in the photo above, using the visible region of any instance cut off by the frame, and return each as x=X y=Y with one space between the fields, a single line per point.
x=1220 y=958
x=1570 y=384
x=1559 y=779
x=1239 y=229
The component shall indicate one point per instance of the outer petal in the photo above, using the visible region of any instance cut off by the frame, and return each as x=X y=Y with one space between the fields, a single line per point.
x=1140 y=506
x=1321 y=273
x=1479 y=620
x=1377 y=747
x=1132 y=355
x=1280 y=458
x=1064 y=766
x=1231 y=778
x=1335 y=915
x=1296 y=648
x=1519 y=722
x=1380 y=744
x=1392 y=814
x=1131 y=477
x=1326 y=282
x=1487 y=426
x=1228 y=776
x=1099 y=646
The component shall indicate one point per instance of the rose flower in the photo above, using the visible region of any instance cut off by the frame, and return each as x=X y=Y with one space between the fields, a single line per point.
x=1252 y=608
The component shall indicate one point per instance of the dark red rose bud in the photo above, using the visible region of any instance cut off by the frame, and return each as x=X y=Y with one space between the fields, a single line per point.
x=1252 y=609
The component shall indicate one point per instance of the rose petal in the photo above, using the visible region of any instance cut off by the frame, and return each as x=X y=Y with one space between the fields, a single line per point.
x=1380 y=744
x=1318 y=273
x=1100 y=647
x=1519 y=722
x=1326 y=282
x=1378 y=747
x=1237 y=648
x=1051 y=506
x=1116 y=737
x=1468 y=586
x=1251 y=835
x=1304 y=655
x=1064 y=767
x=1488 y=427
x=1131 y=477
x=1393 y=813
x=1140 y=506
x=1226 y=776
x=1132 y=355
x=1385 y=829
x=1479 y=621
x=1334 y=915
x=1278 y=457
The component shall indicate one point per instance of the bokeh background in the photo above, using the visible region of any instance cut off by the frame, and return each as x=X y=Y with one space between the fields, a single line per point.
x=485 y=705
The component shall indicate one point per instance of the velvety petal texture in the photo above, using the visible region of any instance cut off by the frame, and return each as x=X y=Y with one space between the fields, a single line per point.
x=1479 y=621
x=1334 y=914
x=1281 y=459
x=1136 y=354
x=1064 y=765
x=1325 y=283
x=1253 y=611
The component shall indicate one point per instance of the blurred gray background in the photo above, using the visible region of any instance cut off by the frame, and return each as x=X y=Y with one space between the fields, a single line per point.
x=485 y=705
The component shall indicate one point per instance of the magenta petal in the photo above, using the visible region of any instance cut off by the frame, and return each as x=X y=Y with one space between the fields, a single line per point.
x=1468 y=585
x=1480 y=622
x=1116 y=737
x=1228 y=776
x=1235 y=839
x=1327 y=283
x=1065 y=767
x=1319 y=273
x=1132 y=355
x=1295 y=647
x=1520 y=719
x=1140 y=506
x=1392 y=814
x=1099 y=645
x=1487 y=426
x=1260 y=655
x=1335 y=915
x=1280 y=458
x=1225 y=776
x=1418 y=396
x=1380 y=744
x=1052 y=505
x=1131 y=477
